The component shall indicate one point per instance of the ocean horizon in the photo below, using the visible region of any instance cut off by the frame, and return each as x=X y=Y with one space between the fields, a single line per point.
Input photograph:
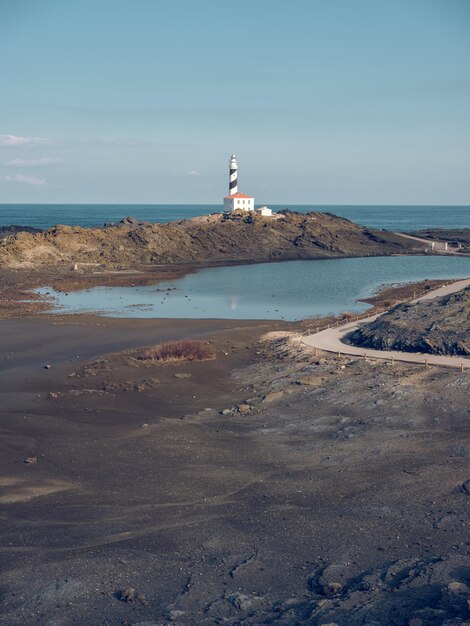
x=387 y=217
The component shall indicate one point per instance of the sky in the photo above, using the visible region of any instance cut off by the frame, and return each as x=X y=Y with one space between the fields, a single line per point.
x=323 y=101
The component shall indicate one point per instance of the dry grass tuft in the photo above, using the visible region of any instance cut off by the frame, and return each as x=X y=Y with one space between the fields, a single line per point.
x=185 y=350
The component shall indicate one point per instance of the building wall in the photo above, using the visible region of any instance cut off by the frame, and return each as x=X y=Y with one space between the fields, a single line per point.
x=264 y=211
x=244 y=204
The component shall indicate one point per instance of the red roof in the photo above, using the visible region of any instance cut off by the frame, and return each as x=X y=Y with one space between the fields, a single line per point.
x=239 y=195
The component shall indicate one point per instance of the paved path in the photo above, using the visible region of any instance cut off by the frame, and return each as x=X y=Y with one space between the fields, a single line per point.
x=436 y=246
x=330 y=339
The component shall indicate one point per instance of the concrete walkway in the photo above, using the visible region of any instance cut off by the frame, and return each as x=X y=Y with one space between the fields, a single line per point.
x=329 y=339
x=434 y=245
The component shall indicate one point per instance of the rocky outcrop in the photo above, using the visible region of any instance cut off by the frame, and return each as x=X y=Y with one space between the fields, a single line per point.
x=218 y=238
x=440 y=326
x=456 y=237
x=8 y=231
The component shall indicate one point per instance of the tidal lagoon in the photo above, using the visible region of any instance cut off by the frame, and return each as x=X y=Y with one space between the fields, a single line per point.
x=288 y=291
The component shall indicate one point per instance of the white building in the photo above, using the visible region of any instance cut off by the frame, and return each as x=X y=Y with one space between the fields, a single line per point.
x=264 y=211
x=239 y=201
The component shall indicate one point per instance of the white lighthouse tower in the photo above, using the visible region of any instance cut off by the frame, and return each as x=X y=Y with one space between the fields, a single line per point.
x=236 y=201
x=233 y=184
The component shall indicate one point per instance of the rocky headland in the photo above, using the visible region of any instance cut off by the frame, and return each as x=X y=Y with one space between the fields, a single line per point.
x=436 y=326
x=209 y=239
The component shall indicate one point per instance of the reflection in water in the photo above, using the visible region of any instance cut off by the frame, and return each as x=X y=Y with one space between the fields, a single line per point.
x=233 y=303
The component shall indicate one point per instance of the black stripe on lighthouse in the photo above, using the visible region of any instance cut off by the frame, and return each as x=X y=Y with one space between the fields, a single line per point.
x=233 y=179
x=233 y=183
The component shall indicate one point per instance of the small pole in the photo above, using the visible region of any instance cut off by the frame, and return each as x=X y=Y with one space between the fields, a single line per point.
x=365 y=356
x=426 y=363
x=393 y=359
x=339 y=355
x=461 y=367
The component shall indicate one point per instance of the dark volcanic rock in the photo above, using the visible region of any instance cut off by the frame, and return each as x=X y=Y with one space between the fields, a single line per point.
x=439 y=326
x=130 y=221
x=413 y=592
x=218 y=238
x=13 y=229
x=457 y=237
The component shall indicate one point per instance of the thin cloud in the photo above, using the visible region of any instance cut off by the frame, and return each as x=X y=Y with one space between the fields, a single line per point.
x=44 y=162
x=190 y=173
x=19 y=141
x=15 y=140
x=22 y=178
x=116 y=142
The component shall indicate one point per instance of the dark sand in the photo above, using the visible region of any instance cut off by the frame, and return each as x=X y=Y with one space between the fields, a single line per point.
x=334 y=497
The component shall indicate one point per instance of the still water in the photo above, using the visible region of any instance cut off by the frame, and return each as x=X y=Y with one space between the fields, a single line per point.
x=290 y=290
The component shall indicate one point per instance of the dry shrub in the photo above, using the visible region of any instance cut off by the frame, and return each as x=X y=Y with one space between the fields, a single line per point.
x=346 y=315
x=184 y=350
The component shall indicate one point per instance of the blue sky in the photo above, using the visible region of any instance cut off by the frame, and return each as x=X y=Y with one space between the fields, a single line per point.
x=323 y=101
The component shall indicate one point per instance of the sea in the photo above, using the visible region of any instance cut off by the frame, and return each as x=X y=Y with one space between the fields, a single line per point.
x=393 y=217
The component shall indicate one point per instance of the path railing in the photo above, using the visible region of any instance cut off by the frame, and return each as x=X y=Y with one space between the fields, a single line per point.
x=367 y=356
x=374 y=311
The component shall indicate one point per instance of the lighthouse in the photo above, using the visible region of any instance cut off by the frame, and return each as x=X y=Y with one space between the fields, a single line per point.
x=236 y=201
x=233 y=184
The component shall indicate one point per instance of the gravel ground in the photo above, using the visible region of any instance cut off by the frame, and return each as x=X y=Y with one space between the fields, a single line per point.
x=268 y=486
